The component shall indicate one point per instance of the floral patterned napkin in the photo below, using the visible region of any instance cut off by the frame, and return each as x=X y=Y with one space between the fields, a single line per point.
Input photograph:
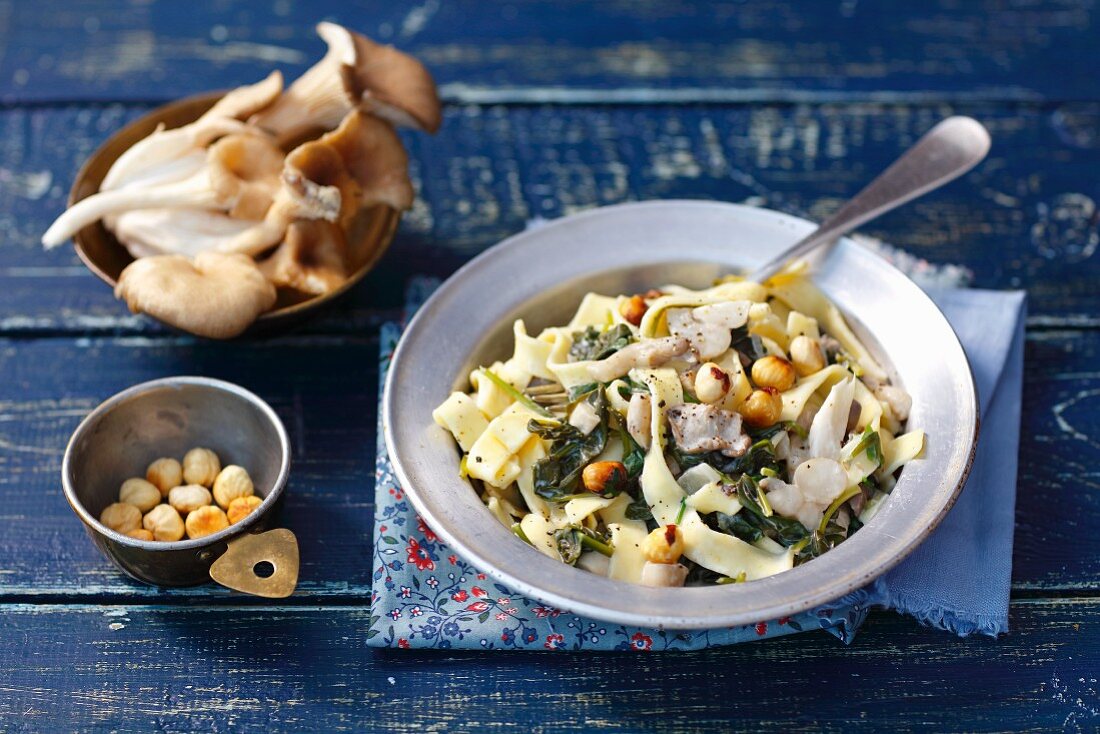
x=958 y=580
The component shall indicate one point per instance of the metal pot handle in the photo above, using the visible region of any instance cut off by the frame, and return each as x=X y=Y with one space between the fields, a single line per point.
x=263 y=564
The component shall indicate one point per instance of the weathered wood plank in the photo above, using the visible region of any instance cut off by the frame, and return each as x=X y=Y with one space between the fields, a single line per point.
x=137 y=668
x=325 y=390
x=1027 y=217
x=540 y=51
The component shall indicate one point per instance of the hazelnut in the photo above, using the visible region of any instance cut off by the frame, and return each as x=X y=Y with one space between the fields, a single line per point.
x=164 y=523
x=773 y=371
x=633 y=309
x=806 y=355
x=201 y=466
x=232 y=482
x=164 y=474
x=601 y=475
x=242 y=507
x=140 y=534
x=664 y=545
x=762 y=407
x=711 y=383
x=139 y=493
x=189 y=498
x=206 y=521
x=121 y=517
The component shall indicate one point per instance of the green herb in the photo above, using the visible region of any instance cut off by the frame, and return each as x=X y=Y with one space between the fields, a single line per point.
x=519 y=396
x=844 y=497
x=683 y=509
x=591 y=543
x=517 y=531
x=870 y=442
x=740 y=579
x=593 y=344
x=579 y=391
x=558 y=473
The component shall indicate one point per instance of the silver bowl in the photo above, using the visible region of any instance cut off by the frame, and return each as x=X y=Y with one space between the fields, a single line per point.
x=167 y=417
x=540 y=275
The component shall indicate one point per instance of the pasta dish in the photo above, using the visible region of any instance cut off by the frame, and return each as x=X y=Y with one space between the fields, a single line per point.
x=686 y=437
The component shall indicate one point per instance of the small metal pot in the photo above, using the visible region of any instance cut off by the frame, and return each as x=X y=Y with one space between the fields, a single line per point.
x=168 y=417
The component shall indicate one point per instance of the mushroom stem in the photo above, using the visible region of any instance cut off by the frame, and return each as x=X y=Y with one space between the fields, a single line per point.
x=163 y=146
x=240 y=176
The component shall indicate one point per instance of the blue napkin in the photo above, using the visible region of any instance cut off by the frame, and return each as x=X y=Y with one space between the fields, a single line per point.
x=425 y=596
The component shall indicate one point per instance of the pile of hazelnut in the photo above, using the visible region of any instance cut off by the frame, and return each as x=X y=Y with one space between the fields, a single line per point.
x=175 y=499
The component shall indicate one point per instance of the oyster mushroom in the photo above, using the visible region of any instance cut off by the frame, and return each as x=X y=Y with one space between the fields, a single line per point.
x=708 y=328
x=161 y=148
x=149 y=232
x=240 y=177
x=698 y=427
x=312 y=258
x=355 y=73
x=647 y=353
x=216 y=296
x=360 y=164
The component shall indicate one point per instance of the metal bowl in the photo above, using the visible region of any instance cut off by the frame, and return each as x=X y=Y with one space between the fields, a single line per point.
x=168 y=417
x=540 y=275
x=370 y=235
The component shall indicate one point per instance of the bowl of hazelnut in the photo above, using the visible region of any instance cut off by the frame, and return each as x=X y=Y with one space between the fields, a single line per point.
x=178 y=480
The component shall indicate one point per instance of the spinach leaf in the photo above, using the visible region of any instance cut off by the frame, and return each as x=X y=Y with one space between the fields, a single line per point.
x=639 y=510
x=558 y=473
x=760 y=455
x=785 y=531
x=739 y=527
x=749 y=345
x=630 y=387
x=579 y=391
x=595 y=344
x=633 y=455
x=570 y=542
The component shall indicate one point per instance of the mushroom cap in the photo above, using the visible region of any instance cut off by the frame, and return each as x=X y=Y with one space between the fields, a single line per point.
x=354 y=73
x=374 y=158
x=312 y=259
x=216 y=296
x=244 y=169
x=392 y=84
x=243 y=102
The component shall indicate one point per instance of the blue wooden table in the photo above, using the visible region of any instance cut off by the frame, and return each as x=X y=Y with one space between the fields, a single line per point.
x=551 y=107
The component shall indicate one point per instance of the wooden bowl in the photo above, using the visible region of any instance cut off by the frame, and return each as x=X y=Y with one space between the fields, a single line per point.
x=370 y=235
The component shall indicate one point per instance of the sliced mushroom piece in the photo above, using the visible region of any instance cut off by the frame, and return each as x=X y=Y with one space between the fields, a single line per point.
x=164 y=146
x=698 y=427
x=663 y=574
x=638 y=415
x=216 y=296
x=708 y=328
x=359 y=164
x=355 y=73
x=312 y=259
x=644 y=354
x=241 y=177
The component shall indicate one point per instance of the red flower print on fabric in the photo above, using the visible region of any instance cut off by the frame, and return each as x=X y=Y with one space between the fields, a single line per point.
x=419 y=557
